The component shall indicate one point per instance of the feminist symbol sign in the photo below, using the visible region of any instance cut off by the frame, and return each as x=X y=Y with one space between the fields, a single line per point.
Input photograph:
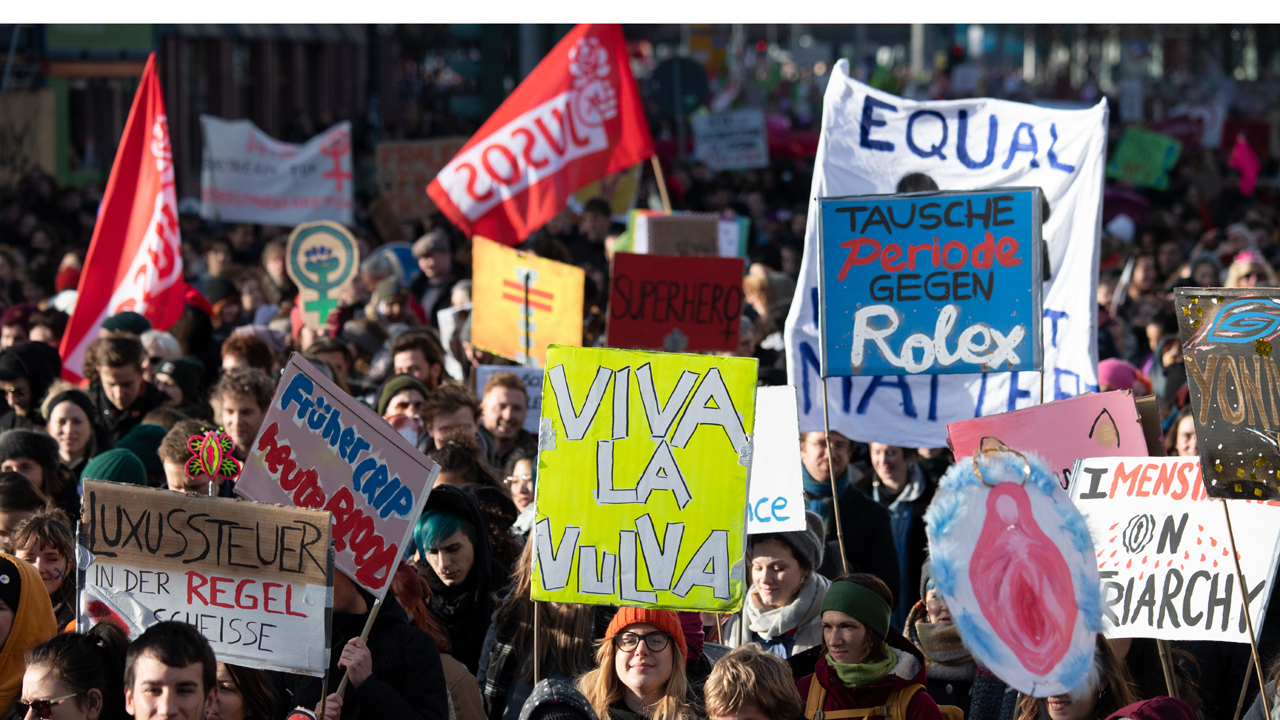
x=322 y=259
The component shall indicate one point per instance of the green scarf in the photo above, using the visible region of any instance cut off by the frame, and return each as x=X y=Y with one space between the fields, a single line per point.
x=855 y=675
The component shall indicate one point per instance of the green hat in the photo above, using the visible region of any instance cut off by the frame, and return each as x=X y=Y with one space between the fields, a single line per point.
x=397 y=384
x=118 y=465
x=144 y=441
x=127 y=321
x=862 y=604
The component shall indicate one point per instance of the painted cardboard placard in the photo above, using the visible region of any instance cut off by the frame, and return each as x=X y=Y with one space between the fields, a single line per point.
x=405 y=167
x=693 y=305
x=1014 y=560
x=1228 y=337
x=776 y=497
x=319 y=448
x=1163 y=550
x=515 y=324
x=643 y=465
x=255 y=579
x=532 y=379
x=731 y=140
x=1060 y=432
x=322 y=259
x=683 y=234
x=1144 y=158
x=930 y=283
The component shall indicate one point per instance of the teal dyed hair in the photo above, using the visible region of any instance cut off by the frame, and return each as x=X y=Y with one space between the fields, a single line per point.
x=438 y=525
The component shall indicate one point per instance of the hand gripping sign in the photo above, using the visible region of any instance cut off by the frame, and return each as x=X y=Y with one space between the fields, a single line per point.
x=642 y=484
x=320 y=448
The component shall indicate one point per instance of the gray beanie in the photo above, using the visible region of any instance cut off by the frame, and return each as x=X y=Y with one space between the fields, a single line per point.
x=926 y=574
x=807 y=545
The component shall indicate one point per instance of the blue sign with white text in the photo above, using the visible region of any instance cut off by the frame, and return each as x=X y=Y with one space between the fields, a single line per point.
x=931 y=283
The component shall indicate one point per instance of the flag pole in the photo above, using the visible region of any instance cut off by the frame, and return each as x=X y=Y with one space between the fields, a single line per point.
x=1248 y=618
x=662 y=183
x=831 y=475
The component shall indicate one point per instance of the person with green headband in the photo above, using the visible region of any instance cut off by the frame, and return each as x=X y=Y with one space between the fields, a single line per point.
x=865 y=665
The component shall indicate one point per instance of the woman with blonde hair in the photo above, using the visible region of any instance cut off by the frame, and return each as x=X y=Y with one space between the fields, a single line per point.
x=1249 y=270
x=640 y=669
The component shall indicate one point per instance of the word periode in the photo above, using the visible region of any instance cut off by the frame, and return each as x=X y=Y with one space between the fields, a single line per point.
x=931 y=282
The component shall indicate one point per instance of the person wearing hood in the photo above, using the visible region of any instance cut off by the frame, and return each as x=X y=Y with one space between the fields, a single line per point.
x=900 y=486
x=73 y=424
x=555 y=699
x=865 y=664
x=179 y=380
x=784 y=605
x=27 y=369
x=26 y=620
x=452 y=539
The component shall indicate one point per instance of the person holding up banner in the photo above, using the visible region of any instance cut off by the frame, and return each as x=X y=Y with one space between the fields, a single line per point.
x=78 y=676
x=640 y=669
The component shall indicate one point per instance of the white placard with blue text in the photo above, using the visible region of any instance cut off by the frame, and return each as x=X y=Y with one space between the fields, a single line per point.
x=775 y=500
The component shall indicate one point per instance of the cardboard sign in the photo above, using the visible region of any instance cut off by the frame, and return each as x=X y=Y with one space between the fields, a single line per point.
x=777 y=491
x=931 y=283
x=643 y=463
x=406 y=166
x=1164 y=550
x=1144 y=158
x=28 y=134
x=683 y=234
x=532 y=379
x=255 y=579
x=1228 y=339
x=320 y=448
x=1060 y=432
x=693 y=305
x=732 y=140
x=322 y=259
x=518 y=325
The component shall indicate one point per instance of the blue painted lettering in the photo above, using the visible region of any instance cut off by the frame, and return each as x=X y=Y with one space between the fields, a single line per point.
x=869 y=121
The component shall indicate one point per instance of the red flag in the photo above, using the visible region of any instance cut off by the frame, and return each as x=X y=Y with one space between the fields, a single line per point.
x=577 y=118
x=135 y=257
x=1243 y=159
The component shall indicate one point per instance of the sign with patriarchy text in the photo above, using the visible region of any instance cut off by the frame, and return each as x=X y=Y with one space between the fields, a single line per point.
x=1164 y=550
x=1228 y=338
x=523 y=303
x=254 y=579
x=320 y=448
x=931 y=283
x=691 y=305
x=643 y=464
x=322 y=258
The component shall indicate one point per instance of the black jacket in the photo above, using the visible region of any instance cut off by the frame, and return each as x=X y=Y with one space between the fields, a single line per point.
x=119 y=423
x=921 y=492
x=868 y=540
x=407 y=680
x=443 y=300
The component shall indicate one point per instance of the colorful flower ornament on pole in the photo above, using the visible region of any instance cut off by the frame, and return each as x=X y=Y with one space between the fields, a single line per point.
x=211 y=455
x=1015 y=563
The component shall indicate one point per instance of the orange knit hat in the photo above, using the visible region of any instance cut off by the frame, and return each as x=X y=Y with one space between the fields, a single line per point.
x=665 y=620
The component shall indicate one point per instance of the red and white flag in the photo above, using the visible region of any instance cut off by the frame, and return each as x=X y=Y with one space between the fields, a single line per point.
x=135 y=257
x=577 y=118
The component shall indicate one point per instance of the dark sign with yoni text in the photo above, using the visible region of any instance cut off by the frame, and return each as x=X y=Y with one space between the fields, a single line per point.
x=691 y=304
x=931 y=283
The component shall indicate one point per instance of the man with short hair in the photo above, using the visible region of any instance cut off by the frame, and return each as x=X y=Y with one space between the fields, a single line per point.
x=175 y=452
x=120 y=393
x=433 y=287
x=47 y=326
x=242 y=397
x=170 y=673
x=248 y=351
x=418 y=354
x=751 y=683
x=502 y=414
x=15 y=324
x=27 y=369
x=450 y=408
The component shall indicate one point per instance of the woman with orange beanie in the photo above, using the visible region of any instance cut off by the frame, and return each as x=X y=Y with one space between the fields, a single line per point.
x=640 y=669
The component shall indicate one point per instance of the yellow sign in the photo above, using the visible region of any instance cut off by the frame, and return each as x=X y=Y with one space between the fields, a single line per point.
x=642 y=479
x=523 y=303
x=619 y=189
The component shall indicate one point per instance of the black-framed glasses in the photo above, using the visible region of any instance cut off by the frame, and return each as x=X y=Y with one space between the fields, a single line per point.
x=43 y=708
x=656 y=641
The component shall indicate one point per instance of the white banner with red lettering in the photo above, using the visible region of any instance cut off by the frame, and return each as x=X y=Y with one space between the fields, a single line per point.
x=250 y=177
x=135 y=257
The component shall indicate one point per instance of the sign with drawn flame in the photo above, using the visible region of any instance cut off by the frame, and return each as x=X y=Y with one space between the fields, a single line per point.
x=322 y=259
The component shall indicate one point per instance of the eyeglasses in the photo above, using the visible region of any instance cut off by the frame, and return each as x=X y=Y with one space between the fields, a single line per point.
x=511 y=479
x=656 y=641
x=42 y=708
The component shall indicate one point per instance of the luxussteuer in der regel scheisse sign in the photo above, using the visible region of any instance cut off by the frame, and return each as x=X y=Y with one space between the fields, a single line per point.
x=930 y=283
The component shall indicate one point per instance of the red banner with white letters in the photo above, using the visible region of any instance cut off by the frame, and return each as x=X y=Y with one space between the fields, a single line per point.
x=575 y=119
x=135 y=256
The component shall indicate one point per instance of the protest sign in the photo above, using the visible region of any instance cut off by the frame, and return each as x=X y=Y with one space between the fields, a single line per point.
x=1144 y=158
x=929 y=273
x=406 y=166
x=777 y=493
x=523 y=303
x=322 y=259
x=694 y=305
x=619 y=189
x=1163 y=550
x=682 y=234
x=1060 y=432
x=731 y=140
x=870 y=141
x=532 y=379
x=28 y=134
x=643 y=463
x=1228 y=337
x=254 y=579
x=320 y=448
x=450 y=320
x=247 y=176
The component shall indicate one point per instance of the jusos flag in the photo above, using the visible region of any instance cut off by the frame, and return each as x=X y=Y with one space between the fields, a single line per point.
x=135 y=257
x=575 y=119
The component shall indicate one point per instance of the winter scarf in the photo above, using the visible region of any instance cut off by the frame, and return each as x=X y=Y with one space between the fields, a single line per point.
x=770 y=624
x=991 y=698
x=856 y=675
x=945 y=656
x=818 y=495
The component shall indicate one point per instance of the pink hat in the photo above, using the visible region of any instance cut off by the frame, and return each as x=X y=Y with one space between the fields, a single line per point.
x=1117 y=374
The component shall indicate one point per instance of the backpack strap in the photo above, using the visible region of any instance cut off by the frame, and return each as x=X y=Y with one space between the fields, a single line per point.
x=899 y=700
x=818 y=696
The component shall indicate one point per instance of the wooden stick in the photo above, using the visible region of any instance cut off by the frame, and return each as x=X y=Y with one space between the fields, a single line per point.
x=324 y=693
x=1244 y=690
x=831 y=474
x=1248 y=617
x=1166 y=664
x=662 y=183
x=364 y=636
